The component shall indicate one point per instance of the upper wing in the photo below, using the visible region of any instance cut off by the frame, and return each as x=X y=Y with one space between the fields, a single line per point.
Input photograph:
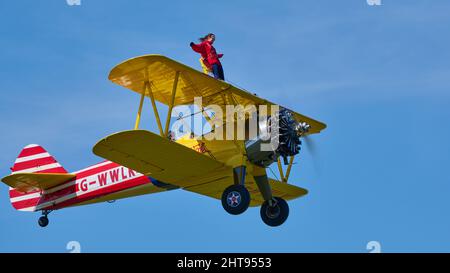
x=26 y=182
x=160 y=71
x=159 y=157
x=215 y=189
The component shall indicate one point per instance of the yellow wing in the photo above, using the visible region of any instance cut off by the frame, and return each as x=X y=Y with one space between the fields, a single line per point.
x=26 y=182
x=160 y=158
x=178 y=165
x=160 y=72
x=279 y=189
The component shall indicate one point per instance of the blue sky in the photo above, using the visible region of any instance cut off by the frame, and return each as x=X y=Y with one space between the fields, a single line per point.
x=377 y=75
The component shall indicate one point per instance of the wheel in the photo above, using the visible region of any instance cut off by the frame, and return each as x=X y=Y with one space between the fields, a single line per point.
x=275 y=215
x=235 y=199
x=43 y=221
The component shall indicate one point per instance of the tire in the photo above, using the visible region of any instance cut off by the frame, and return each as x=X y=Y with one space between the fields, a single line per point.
x=43 y=221
x=277 y=215
x=235 y=199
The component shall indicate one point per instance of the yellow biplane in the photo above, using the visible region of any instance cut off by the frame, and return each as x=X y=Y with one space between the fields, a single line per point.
x=232 y=170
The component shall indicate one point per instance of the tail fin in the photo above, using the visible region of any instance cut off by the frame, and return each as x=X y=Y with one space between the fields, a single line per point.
x=32 y=159
x=35 y=159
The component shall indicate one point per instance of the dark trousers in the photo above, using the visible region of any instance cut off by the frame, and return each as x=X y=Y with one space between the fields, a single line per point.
x=218 y=71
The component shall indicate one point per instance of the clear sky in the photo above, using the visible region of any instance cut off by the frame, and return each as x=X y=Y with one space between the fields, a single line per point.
x=378 y=76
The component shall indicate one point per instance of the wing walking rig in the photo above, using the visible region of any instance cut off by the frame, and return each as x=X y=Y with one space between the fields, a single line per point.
x=231 y=169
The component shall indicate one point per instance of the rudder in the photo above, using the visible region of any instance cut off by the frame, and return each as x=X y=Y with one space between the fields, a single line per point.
x=35 y=159
x=32 y=159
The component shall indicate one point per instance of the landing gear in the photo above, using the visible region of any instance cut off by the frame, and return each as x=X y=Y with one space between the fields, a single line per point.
x=235 y=199
x=274 y=212
x=43 y=220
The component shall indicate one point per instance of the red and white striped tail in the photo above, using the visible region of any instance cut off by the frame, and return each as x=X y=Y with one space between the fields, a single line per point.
x=35 y=159
x=32 y=159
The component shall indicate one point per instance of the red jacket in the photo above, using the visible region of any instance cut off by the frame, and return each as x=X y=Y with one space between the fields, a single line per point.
x=208 y=53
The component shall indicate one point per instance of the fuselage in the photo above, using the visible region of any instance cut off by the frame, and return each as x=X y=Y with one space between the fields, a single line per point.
x=97 y=183
x=107 y=180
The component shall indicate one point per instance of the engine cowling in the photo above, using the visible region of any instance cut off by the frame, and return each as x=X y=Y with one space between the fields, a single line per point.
x=279 y=135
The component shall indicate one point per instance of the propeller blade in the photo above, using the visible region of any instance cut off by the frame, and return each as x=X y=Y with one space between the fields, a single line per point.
x=312 y=149
x=311 y=146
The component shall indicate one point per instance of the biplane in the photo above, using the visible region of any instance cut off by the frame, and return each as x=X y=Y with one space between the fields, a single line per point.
x=232 y=170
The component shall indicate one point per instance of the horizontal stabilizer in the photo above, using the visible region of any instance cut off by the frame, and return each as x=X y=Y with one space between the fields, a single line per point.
x=27 y=182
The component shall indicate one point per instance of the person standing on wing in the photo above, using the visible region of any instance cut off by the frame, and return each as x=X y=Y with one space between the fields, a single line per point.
x=210 y=57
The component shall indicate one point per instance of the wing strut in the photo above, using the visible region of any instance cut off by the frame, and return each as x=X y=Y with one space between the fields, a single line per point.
x=138 y=117
x=148 y=89
x=155 y=109
x=172 y=101
x=285 y=177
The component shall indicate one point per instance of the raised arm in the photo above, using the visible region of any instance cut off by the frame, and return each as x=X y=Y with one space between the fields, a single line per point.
x=197 y=48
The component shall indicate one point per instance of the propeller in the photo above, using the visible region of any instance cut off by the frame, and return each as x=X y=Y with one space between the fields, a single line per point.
x=311 y=147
